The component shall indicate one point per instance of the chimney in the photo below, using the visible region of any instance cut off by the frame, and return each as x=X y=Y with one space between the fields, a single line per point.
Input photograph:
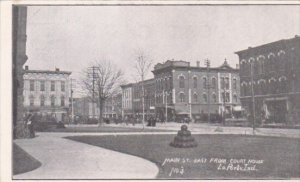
x=26 y=68
x=198 y=63
x=56 y=69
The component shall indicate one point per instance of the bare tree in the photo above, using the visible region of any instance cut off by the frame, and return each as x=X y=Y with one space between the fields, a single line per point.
x=142 y=66
x=102 y=80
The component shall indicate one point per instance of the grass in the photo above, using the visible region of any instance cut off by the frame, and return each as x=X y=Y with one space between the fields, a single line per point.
x=108 y=129
x=22 y=161
x=281 y=157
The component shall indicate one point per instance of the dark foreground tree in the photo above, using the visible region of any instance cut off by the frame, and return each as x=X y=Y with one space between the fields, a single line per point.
x=102 y=80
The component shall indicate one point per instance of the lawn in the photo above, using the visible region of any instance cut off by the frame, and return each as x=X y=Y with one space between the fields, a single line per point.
x=216 y=157
x=22 y=161
x=107 y=129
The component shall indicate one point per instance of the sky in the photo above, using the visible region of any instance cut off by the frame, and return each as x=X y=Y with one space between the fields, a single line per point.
x=71 y=37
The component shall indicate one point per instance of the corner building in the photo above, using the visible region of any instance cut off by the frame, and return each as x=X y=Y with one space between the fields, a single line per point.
x=275 y=71
x=185 y=90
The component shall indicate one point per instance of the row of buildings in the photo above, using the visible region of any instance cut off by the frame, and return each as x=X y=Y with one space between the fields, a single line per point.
x=179 y=89
x=265 y=85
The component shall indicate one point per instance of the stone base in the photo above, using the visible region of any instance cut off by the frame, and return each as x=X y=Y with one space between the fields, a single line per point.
x=184 y=139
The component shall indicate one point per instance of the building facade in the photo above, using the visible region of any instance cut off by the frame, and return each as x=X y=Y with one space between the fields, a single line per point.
x=272 y=71
x=47 y=93
x=194 y=91
x=149 y=98
x=127 y=100
x=113 y=107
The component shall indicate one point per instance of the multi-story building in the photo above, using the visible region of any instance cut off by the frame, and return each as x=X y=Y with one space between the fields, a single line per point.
x=127 y=100
x=113 y=107
x=149 y=98
x=272 y=71
x=194 y=91
x=47 y=92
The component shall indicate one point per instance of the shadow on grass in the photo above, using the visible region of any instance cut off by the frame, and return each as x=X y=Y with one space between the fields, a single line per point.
x=22 y=161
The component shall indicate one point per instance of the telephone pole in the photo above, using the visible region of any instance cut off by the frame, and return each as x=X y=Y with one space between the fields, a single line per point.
x=93 y=75
x=253 y=99
x=72 y=103
x=207 y=63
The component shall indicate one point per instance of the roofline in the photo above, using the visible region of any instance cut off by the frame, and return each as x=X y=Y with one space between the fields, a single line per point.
x=267 y=44
x=195 y=67
x=48 y=71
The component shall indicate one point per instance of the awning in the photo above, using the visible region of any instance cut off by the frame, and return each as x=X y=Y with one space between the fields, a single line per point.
x=238 y=108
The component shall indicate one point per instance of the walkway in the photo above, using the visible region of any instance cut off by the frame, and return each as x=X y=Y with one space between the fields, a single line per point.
x=66 y=159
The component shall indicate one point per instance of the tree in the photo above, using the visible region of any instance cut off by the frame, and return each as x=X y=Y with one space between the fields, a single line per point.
x=142 y=66
x=101 y=81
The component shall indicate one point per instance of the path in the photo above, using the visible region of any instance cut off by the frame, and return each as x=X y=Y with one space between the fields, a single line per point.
x=66 y=159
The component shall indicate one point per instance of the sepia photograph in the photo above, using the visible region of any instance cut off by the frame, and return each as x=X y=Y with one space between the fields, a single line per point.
x=139 y=91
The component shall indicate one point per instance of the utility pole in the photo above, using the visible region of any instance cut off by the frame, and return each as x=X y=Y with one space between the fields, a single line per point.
x=93 y=70
x=253 y=100
x=72 y=105
x=207 y=62
x=166 y=100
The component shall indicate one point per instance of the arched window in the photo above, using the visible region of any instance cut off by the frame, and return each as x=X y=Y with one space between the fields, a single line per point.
x=195 y=82
x=234 y=85
x=181 y=97
x=214 y=83
x=214 y=98
x=272 y=62
x=204 y=82
x=195 y=97
x=31 y=100
x=204 y=97
x=272 y=86
x=52 y=100
x=42 y=100
x=181 y=82
x=62 y=100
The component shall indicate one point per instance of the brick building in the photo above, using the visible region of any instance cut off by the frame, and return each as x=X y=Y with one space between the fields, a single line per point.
x=185 y=90
x=149 y=98
x=275 y=70
x=47 y=92
x=132 y=98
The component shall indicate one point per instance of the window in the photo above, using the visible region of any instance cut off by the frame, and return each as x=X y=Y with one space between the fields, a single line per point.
x=234 y=84
x=52 y=85
x=214 y=98
x=214 y=83
x=235 y=98
x=204 y=97
x=52 y=100
x=222 y=82
x=42 y=100
x=31 y=85
x=204 y=82
x=42 y=85
x=62 y=86
x=227 y=83
x=195 y=98
x=181 y=97
x=227 y=97
x=223 y=97
x=195 y=82
x=181 y=82
x=31 y=100
x=62 y=100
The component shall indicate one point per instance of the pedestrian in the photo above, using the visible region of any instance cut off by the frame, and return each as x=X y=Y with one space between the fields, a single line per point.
x=30 y=124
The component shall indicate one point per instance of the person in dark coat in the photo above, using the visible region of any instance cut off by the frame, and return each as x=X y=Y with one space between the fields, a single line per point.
x=30 y=124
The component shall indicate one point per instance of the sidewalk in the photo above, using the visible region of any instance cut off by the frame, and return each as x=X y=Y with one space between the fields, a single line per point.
x=66 y=159
x=204 y=128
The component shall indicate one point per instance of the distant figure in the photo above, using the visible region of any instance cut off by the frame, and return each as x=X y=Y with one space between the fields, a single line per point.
x=30 y=120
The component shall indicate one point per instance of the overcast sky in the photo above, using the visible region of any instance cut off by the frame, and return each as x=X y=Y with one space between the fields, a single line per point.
x=72 y=36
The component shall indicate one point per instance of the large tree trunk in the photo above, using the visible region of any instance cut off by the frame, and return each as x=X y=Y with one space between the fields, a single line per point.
x=101 y=104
